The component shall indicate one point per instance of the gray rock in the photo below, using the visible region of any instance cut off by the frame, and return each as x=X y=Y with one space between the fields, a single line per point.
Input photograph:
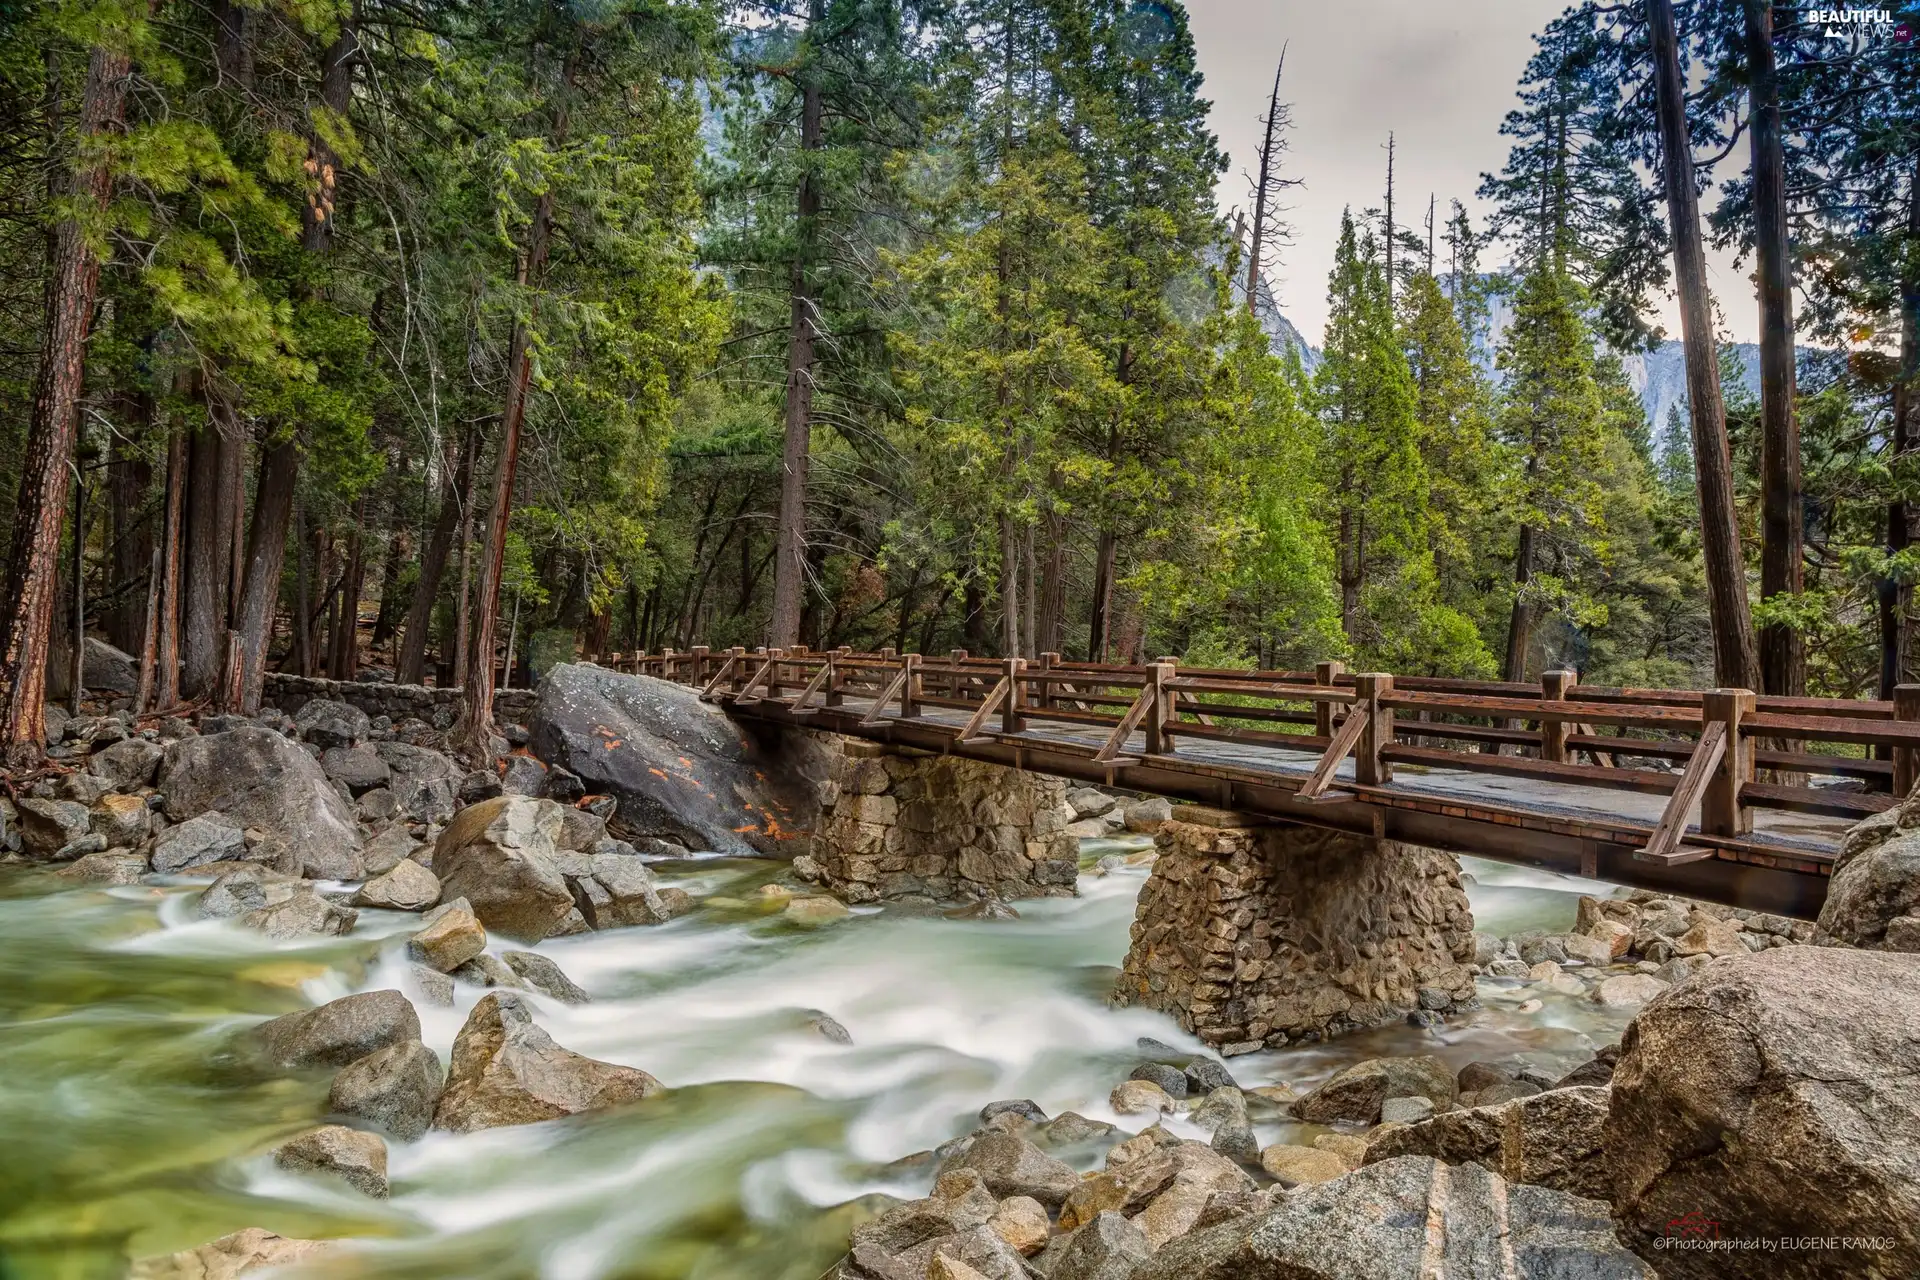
x=360 y=1158
x=1236 y=1140
x=1552 y=1139
x=629 y=894
x=450 y=936
x=580 y=830
x=1356 y=1093
x=960 y=1202
x=357 y=769
x=425 y=783
x=1407 y=1219
x=120 y=819
x=499 y=855
x=260 y=779
x=126 y=765
x=488 y=971
x=1872 y=885
x=112 y=867
x=436 y=988
x=1070 y=1128
x=1025 y=1107
x=103 y=670
x=1107 y=1248
x=507 y=1071
x=677 y=766
x=478 y=785
x=49 y=826
x=395 y=1087
x=243 y=889
x=326 y=722
x=81 y=788
x=299 y=912
x=408 y=887
x=1538 y=950
x=523 y=776
x=1089 y=802
x=1774 y=1093
x=1145 y=816
x=544 y=976
x=1405 y=1110
x=388 y=850
x=210 y=837
x=336 y=1033
x=1012 y=1166
x=1172 y=1080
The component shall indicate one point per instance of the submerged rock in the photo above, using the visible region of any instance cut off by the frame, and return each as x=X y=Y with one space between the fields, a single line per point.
x=1773 y=1094
x=230 y=1256
x=508 y=1071
x=544 y=976
x=358 y=1157
x=396 y=1087
x=339 y=1031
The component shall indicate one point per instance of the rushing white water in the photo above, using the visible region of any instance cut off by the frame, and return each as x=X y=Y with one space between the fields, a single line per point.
x=135 y=1134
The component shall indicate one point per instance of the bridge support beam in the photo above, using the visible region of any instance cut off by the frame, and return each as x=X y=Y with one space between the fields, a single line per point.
x=1254 y=934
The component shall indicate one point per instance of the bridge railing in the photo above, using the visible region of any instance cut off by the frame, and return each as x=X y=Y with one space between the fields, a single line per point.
x=1698 y=748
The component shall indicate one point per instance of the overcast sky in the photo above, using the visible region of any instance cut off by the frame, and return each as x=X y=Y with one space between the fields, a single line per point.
x=1438 y=74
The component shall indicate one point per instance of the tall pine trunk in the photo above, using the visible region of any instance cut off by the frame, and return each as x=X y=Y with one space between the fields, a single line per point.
x=457 y=471
x=790 y=555
x=129 y=478
x=1520 y=622
x=73 y=284
x=204 y=566
x=1893 y=594
x=1735 y=663
x=273 y=508
x=1783 y=657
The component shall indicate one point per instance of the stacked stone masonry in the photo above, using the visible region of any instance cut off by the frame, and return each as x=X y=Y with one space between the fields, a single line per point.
x=395 y=701
x=1260 y=935
x=898 y=823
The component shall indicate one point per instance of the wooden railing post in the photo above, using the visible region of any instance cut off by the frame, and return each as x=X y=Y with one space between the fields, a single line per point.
x=910 y=687
x=1906 y=760
x=699 y=665
x=1043 y=696
x=1369 y=769
x=956 y=687
x=886 y=654
x=666 y=664
x=1553 y=733
x=741 y=672
x=1159 y=709
x=1011 y=721
x=832 y=696
x=1324 y=674
x=1722 y=812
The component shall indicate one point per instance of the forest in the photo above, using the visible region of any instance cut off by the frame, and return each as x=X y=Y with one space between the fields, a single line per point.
x=380 y=339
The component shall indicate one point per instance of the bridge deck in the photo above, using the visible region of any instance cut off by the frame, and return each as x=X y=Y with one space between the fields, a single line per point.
x=1657 y=788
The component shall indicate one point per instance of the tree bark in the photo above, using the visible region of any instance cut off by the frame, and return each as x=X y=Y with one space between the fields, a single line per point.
x=457 y=470
x=258 y=595
x=1520 y=623
x=1255 y=244
x=343 y=661
x=1100 y=625
x=203 y=617
x=167 y=650
x=1894 y=594
x=129 y=478
x=40 y=511
x=1783 y=661
x=475 y=729
x=789 y=573
x=1735 y=662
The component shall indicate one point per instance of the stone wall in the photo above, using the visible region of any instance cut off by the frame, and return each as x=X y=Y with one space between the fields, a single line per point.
x=396 y=701
x=1265 y=934
x=898 y=823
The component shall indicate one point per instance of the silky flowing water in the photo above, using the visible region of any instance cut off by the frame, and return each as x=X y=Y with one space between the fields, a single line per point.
x=127 y=1128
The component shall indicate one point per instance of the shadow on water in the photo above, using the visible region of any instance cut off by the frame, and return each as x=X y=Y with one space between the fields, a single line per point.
x=131 y=1128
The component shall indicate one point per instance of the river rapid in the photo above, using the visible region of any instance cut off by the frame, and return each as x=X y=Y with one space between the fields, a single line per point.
x=128 y=1129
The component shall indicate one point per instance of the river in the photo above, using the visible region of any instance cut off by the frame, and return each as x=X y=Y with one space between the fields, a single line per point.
x=128 y=1129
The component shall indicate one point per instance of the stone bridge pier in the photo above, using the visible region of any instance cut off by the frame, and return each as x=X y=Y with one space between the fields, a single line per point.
x=900 y=823
x=1254 y=934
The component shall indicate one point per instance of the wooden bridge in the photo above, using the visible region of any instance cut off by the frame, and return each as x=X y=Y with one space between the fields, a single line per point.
x=1719 y=795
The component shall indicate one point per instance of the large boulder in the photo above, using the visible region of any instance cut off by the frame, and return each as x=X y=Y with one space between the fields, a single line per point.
x=396 y=1087
x=340 y=1031
x=500 y=856
x=1875 y=882
x=127 y=764
x=1407 y=1219
x=424 y=782
x=1552 y=1139
x=260 y=779
x=1773 y=1095
x=1012 y=1166
x=326 y=722
x=507 y=1071
x=351 y=1154
x=104 y=669
x=678 y=767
